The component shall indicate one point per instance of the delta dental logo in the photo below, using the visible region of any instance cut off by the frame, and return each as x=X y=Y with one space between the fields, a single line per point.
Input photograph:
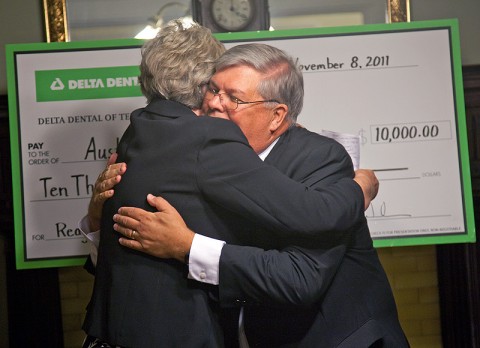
x=92 y=83
x=58 y=85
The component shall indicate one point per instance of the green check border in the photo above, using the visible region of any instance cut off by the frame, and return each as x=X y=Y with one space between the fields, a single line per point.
x=450 y=24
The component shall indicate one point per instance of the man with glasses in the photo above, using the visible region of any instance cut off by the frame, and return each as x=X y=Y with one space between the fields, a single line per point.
x=230 y=102
x=256 y=87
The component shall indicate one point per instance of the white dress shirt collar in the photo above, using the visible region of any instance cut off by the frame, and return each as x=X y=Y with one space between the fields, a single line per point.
x=266 y=152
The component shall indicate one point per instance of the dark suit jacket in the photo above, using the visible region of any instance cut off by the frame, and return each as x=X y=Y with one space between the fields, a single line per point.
x=205 y=168
x=357 y=310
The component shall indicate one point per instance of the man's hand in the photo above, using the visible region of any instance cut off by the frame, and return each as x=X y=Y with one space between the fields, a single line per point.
x=111 y=176
x=162 y=234
x=369 y=183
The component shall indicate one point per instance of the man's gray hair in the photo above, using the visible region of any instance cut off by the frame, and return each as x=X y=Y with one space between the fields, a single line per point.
x=177 y=62
x=283 y=80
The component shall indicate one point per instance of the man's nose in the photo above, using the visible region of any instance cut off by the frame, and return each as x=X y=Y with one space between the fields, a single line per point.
x=216 y=108
x=215 y=103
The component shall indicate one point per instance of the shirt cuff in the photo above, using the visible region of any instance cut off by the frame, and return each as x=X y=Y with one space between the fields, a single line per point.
x=92 y=237
x=204 y=259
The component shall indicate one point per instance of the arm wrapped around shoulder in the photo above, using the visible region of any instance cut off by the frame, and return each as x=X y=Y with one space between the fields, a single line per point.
x=292 y=276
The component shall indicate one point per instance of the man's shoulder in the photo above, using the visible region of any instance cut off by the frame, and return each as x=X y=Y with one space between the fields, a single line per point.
x=308 y=140
x=160 y=109
x=218 y=127
x=310 y=157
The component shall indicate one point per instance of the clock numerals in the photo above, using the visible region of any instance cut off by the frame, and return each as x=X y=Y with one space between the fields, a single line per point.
x=233 y=14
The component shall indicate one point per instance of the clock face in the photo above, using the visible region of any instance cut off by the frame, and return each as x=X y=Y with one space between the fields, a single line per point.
x=232 y=15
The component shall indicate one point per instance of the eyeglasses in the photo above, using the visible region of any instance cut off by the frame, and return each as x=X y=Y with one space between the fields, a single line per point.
x=228 y=101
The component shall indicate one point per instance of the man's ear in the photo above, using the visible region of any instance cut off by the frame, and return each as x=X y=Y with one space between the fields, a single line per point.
x=279 y=117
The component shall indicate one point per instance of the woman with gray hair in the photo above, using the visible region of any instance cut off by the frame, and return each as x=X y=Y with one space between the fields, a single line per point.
x=135 y=297
x=176 y=62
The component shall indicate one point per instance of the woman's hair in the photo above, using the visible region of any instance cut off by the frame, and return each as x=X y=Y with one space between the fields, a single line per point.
x=282 y=80
x=178 y=61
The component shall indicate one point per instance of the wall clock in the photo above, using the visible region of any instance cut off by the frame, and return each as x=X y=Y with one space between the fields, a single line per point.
x=231 y=15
